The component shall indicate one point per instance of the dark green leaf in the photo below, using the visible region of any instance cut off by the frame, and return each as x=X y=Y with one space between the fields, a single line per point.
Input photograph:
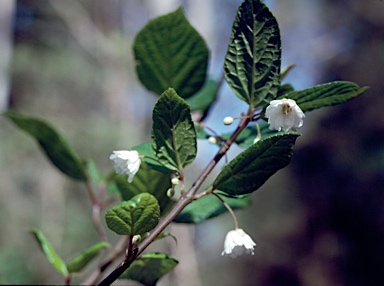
x=209 y=206
x=252 y=63
x=149 y=181
x=203 y=99
x=171 y=53
x=49 y=252
x=248 y=135
x=251 y=168
x=149 y=268
x=136 y=216
x=146 y=149
x=79 y=262
x=327 y=94
x=284 y=89
x=173 y=132
x=53 y=145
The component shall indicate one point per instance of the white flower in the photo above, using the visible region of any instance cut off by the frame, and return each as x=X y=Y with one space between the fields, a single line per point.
x=126 y=163
x=237 y=242
x=284 y=114
x=228 y=120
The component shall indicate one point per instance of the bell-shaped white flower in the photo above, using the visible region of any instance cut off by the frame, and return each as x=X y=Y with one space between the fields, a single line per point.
x=238 y=242
x=284 y=114
x=126 y=163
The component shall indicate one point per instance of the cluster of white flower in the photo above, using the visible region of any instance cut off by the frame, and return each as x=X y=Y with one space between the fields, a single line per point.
x=282 y=114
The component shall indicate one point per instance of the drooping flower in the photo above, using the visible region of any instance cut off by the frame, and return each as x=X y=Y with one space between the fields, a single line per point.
x=238 y=242
x=284 y=114
x=126 y=163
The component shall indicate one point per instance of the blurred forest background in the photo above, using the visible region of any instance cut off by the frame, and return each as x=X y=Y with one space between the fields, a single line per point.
x=318 y=222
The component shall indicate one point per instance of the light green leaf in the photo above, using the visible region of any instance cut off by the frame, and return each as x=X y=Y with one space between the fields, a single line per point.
x=79 y=262
x=173 y=132
x=136 y=216
x=50 y=252
x=149 y=181
x=150 y=267
x=208 y=207
x=171 y=53
x=93 y=172
x=160 y=236
x=51 y=142
x=251 y=168
x=327 y=94
x=252 y=62
x=203 y=99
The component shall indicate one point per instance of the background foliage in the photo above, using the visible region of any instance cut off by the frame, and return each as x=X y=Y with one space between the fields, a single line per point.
x=316 y=222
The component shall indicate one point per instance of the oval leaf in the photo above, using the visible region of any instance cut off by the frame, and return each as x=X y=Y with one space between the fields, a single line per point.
x=251 y=168
x=327 y=94
x=146 y=149
x=203 y=99
x=53 y=145
x=136 y=216
x=173 y=132
x=208 y=207
x=149 y=268
x=149 y=181
x=171 y=53
x=49 y=252
x=252 y=62
x=82 y=260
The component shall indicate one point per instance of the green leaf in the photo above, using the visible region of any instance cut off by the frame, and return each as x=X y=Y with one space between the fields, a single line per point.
x=327 y=94
x=252 y=62
x=203 y=99
x=248 y=135
x=49 y=252
x=173 y=132
x=149 y=181
x=166 y=234
x=160 y=236
x=79 y=262
x=284 y=89
x=136 y=216
x=150 y=267
x=209 y=206
x=93 y=172
x=146 y=149
x=50 y=141
x=171 y=53
x=251 y=168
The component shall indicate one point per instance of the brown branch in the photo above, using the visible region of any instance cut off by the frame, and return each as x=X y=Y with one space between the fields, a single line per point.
x=183 y=201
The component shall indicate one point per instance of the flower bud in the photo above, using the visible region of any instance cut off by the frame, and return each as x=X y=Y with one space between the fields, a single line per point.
x=170 y=192
x=212 y=140
x=175 y=181
x=228 y=120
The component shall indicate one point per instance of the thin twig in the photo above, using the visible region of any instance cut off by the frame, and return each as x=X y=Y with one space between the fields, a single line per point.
x=230 y=210
x=183 y=201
